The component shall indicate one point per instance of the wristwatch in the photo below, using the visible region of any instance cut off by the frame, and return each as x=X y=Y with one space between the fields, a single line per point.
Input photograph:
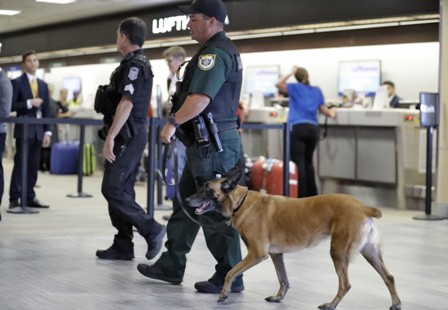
x=172 y=121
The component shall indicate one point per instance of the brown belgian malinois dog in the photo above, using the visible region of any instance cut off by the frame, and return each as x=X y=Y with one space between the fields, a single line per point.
x=270 y=224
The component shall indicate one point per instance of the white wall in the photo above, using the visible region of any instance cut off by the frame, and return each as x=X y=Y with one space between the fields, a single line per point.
x=412 y=67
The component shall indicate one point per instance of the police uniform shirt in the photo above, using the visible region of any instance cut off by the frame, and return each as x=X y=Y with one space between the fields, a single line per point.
x=211 y=71
x=133 y=83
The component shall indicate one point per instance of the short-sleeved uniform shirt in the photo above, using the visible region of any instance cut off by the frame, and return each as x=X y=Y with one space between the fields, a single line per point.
x=131 y=80
x=211 y=71
x=304 y=102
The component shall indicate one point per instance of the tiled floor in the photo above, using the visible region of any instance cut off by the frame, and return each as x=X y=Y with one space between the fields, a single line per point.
x=47 y=261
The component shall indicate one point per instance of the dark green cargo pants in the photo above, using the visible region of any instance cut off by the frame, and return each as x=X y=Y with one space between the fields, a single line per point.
x=223 y=241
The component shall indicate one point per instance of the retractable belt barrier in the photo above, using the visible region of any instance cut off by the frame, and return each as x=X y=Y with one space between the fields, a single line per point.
x=154 y=147
x=26 y=121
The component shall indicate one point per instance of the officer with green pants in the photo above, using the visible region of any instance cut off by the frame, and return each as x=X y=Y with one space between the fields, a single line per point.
x=211 y=86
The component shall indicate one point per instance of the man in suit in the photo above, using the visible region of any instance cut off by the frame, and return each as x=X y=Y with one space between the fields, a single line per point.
x=394 y=100
x=30 y=99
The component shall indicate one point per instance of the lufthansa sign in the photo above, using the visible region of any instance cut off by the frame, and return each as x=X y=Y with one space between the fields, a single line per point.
x=169 y=24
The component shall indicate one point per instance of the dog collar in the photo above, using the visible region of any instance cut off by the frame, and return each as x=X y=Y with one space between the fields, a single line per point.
x=241 y=203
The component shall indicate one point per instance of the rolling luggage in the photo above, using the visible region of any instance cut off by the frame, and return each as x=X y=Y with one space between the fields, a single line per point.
x=89 y=159
x=64 y=158
x=267 y=176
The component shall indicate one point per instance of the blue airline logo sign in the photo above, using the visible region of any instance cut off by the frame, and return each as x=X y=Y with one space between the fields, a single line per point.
x=169 y=24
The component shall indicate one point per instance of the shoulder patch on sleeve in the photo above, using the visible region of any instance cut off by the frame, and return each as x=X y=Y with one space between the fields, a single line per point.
x=206 y=61
x=133 y=73
x=129 y=88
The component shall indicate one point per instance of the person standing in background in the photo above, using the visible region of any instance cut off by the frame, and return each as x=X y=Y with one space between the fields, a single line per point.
x=305 y=101
x=5 y=109
x=64 y=112
x=175 y=57
x=30 y=99
x=394 y=100
x=211 y=84
x=76 y=101
x=126 y=134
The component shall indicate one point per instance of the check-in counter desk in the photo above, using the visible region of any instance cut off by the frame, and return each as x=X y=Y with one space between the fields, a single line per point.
x=377 y=155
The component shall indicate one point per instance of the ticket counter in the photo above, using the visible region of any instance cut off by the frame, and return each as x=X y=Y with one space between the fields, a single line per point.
x=378 y=155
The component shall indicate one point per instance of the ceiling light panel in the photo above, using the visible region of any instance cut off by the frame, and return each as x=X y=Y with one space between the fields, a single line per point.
x=9 y=12
x=57 y=1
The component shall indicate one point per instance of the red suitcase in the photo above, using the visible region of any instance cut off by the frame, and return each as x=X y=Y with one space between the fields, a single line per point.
x=267 y=175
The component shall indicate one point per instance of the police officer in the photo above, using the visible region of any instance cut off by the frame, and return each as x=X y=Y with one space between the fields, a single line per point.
x=125 y=140
x=212 y=83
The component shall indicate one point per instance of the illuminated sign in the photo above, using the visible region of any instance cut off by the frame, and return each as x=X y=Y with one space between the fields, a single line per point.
x=169 y=24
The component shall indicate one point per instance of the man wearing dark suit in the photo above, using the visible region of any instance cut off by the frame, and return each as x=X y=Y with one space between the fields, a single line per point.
x=394 y=100
x=30 y=99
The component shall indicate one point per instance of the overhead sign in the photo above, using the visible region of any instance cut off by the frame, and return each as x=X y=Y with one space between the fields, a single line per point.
x=169 y=24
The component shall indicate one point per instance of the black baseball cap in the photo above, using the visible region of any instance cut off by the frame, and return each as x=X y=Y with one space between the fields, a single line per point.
x=211 y=8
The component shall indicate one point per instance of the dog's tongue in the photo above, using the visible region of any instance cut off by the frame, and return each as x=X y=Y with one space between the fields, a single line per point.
x=202 y=208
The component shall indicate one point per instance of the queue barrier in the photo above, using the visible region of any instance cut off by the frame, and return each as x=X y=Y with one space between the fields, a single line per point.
x=155 y=147
x=26 y=121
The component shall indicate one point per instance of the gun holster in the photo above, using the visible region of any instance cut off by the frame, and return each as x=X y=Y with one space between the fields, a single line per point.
x=201 y=134
x=183 y=137
x=128 y=130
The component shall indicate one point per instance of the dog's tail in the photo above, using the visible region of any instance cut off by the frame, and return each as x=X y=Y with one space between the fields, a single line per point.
x=372 y=212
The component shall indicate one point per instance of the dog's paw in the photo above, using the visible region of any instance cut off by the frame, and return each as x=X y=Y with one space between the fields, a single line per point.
x=395 y=307
x=326 y=307
x=273 y=299
x=222 y=298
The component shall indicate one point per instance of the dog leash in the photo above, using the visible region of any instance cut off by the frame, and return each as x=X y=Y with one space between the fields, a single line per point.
x=166 y=152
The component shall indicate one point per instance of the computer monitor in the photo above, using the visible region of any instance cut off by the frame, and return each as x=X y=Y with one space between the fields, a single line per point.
x=262 y=79
x=363 y=76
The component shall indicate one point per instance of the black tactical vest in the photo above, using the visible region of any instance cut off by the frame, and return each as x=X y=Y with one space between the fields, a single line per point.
x=141 y=103
x=225 y=104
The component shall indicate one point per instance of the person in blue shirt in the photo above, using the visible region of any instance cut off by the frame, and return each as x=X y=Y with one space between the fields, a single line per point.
x=305 y=101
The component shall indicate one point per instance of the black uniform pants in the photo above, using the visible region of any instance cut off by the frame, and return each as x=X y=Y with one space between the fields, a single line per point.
x=304 y=138
x=118 y=189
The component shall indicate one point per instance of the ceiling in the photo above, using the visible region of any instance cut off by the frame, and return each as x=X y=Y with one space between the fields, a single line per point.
x=34 y=14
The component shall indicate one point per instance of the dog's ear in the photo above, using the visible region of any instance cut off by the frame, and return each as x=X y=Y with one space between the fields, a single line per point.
x=231 y=172
x=232 y=177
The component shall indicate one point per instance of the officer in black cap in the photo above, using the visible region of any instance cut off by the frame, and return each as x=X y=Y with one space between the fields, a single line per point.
x=125 y=134
x=211 y=84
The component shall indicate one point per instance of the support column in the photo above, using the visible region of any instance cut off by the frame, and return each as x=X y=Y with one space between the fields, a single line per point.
x=441 y=201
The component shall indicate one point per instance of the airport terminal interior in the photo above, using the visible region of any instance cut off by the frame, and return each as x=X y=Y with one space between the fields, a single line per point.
x=394 y=159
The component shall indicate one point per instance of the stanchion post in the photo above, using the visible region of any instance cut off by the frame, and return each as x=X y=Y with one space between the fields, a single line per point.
x=429 y=118
x=286 y=157
x=152 y=165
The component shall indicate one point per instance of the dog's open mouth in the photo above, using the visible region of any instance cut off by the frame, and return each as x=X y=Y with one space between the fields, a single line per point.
x=203 y=208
